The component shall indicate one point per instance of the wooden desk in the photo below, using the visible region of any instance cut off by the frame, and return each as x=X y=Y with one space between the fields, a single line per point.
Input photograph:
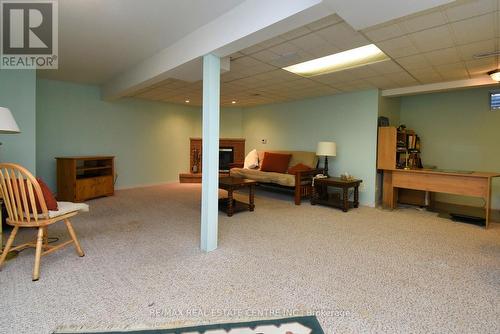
x=476 y=184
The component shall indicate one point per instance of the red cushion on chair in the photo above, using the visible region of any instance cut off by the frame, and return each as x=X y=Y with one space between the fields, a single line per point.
x=275 y=162
x=50 y=200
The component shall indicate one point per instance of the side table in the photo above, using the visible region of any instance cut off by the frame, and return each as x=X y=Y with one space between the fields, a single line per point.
x=320 y=192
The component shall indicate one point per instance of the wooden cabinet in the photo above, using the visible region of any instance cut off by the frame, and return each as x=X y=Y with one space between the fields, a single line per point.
x=386 y=153
x=83 y=178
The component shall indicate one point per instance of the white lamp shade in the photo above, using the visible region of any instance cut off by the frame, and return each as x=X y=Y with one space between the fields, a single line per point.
x=7 y=122
x=326 y=148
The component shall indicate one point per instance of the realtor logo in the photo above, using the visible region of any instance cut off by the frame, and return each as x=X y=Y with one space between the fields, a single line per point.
x=29 y=34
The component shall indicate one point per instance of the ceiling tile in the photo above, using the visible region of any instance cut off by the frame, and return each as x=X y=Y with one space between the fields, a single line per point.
x=325 y=22
x=299 y=32
x=413 y=62
x=323 y=50
x=443 y=56
x=426 y=75
x=481 y=66
x=330 y=79
x=432 y=39
x=423 y=22
x=468 y=51
x=385 y=32
x=292 y=58
x=361 y=72
x=356 y=85
x=284 y=48
x=398 y=47
x=402 y=78
x=381 y=82
x=245 y=62
x=343 y=36
x=474 y=29
x=466 y=9
x=265 y=56
x=310 y=41
x=453 y=71
x=385 y=67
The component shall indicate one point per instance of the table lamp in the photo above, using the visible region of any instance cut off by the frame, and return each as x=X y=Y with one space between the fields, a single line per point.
x=7 y=122
x=8 y=125
x=326 y=149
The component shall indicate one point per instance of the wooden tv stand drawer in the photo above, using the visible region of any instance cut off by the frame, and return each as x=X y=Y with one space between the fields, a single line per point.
x=83 y=178
x=93 y=187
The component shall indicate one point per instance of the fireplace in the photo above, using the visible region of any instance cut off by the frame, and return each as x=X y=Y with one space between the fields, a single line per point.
x=231 y=150
x=226 y=157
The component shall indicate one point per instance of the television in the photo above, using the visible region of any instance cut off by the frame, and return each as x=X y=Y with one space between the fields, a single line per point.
x=495 y=100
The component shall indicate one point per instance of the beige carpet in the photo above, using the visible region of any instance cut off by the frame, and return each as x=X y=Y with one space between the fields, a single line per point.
x=365 y=271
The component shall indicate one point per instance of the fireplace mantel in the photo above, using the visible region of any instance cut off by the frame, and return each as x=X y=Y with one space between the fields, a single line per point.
x=237 y=144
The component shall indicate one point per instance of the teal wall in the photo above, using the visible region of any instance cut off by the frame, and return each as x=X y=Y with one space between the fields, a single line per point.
x=149 y=139
x=348 y=119
x=390 y=108
x=18 y=93
x=458 y=131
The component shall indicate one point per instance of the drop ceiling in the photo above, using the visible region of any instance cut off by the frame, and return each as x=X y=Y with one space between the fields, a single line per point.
x=432 y=46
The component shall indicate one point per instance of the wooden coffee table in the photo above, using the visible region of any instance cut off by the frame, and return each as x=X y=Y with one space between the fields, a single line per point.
x=320 y=193
x=229 y=204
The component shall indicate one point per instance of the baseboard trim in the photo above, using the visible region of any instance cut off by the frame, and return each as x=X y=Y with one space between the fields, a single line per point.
x=146 y=185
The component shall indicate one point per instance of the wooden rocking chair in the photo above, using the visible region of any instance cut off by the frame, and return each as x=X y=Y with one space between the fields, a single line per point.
x=21 y=193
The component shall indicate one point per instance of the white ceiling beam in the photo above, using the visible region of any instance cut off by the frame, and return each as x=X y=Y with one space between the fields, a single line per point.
x=439 y=87
x=251 y=22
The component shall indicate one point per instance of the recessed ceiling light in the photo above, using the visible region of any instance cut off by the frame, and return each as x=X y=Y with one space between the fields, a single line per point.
x=361 y=56
x=495 y=75
x=187 y=101
x=233 y=102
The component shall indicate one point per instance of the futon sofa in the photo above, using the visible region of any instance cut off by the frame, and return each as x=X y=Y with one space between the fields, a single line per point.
x=300 y=182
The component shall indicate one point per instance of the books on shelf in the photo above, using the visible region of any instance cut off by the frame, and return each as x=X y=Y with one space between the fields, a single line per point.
x=413 y=142
x=408 y=150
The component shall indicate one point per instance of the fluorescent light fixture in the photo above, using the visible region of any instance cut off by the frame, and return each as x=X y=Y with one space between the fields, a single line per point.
x=361 y=56
x=495 y=75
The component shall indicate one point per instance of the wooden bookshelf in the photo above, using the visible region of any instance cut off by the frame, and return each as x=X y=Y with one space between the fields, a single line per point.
x=398 y=149
x=83 y=178
x=393 y=148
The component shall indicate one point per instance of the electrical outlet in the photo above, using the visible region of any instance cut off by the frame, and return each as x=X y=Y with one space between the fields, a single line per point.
x=263 y=141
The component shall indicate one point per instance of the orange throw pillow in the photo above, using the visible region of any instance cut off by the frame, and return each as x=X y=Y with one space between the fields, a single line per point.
x=275 y=162
x=300 y=167
x=50 y=200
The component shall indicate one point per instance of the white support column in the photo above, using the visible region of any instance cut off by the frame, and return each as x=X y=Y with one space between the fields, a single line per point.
x=210 y=160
